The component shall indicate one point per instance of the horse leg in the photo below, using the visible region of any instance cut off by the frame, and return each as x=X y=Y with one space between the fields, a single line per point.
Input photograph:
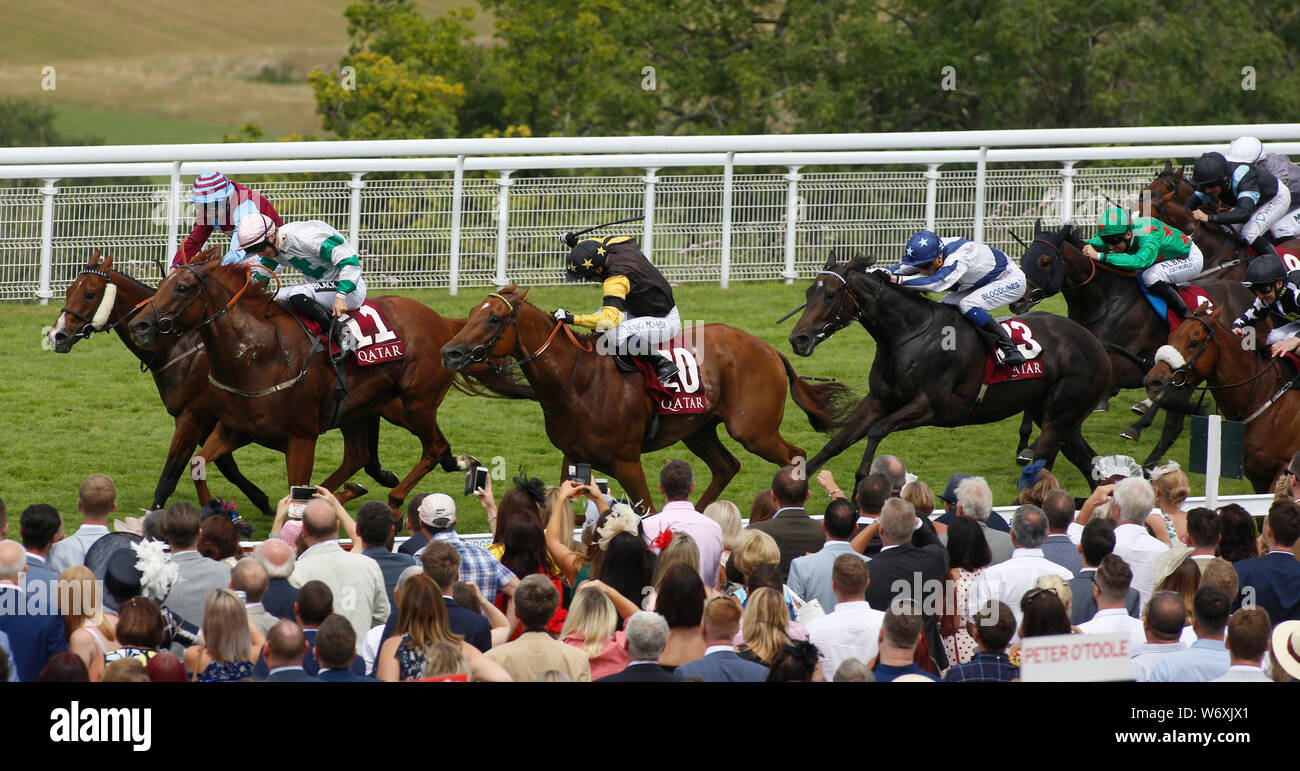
x=1024 y=455
x=230 y=470
x=1172 y=430
x=1080 y=453
x=299 y=457
x=867 y=412
x=423 y=422
x=185 y=438
x=221 y=442
x=631 y=476
x=374 y=468
x=723 y=465
x=917 y=412
x=356 y=453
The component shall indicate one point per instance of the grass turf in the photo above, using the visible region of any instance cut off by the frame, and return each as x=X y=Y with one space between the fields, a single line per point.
x=93 y=411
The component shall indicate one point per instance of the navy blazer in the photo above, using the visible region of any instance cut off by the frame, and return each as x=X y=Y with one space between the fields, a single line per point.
x=1275 y=578
x=642 y=673
x=291 y=676
x=344 y=676
x=391 y=566
x=309 y=663
x=907 y=563
x=279 y=598
x=34 y=637
x=724 y=667
x=475 y=627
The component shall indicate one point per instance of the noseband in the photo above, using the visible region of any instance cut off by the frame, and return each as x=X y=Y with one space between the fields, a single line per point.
x=167 y=325
x=99 y=323
x=838 y=320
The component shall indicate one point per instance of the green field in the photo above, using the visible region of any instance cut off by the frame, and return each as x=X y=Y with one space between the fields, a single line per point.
x=92 y=410
x=124 y=128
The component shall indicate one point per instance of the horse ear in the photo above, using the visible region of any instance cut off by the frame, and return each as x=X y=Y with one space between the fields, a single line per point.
x=861 y=262
x=1178 y=175
x=107 y=263
x=831 y=261
x=520 y=294
x=1038 y=227
x=94 y=259
x=1169 y=166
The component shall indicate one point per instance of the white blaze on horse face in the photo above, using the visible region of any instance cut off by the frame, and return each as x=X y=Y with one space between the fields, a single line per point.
x=1170 y=355
x=483 y=307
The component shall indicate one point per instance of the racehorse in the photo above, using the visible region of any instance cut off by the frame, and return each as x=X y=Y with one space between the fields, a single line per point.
x=1109 y=303
x=268 y=387
x=1246 y=387
x=930 y=362
x=1162 y=198
x=596 y=414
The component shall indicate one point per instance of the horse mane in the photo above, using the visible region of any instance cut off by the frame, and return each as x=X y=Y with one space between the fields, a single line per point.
x=232 y=277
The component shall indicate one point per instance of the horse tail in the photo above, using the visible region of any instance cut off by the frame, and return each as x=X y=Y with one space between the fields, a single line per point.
x=482 y=380
x=827 y=405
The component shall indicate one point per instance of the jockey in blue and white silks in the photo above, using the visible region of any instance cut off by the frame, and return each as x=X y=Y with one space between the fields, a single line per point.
x=979 y=278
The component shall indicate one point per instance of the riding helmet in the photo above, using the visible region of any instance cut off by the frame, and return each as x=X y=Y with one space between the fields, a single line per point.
x=1245 y=150
x=1210 y=169
x=1264 y=269
x=922 y=248
x=589 y=256
x=1113 y=222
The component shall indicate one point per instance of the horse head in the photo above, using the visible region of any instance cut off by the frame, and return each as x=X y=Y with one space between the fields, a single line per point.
x=490 y=331
x=1044 y=265
x=1169 y=186
x=185 y=298
x=89 y=302
x=1189 y=357
x=830 y=304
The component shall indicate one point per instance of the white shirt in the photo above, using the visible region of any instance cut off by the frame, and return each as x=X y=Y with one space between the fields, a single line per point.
x=1008 y=581
x=1145 y=657
x=852 y=630
x=1142 y=552
x=370 y=647
x=1242 y=673
x=71 y=551
x=1117 y=621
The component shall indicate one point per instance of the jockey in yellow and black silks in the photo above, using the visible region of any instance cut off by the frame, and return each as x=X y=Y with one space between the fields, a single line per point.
x=638 y=312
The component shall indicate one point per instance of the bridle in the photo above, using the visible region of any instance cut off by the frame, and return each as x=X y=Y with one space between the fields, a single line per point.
x=1227 y=241
x=838 y=320
x=98 y=323
x=1184 y=372
x=480 y=353
x=167 y=325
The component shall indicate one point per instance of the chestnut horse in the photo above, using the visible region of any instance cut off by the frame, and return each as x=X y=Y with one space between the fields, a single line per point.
x=1246 y=387
x=269 y=388
x=597 y=414
x=179 y=367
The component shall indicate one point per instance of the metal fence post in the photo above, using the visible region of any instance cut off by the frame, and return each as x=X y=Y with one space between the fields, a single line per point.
x=503 y=225
x=457 y=192
x=648 y=208
x=354 y=208
x=43 y=290
x=792 y=178
x=1067 y=191
x=932 y=176
x=981 y=170
x=174 y=210
x=728 y=172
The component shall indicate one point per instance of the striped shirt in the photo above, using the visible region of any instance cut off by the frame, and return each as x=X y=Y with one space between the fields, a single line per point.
x=318 y=251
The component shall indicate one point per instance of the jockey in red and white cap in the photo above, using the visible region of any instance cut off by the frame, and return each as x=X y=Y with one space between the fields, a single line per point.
x=221 y=204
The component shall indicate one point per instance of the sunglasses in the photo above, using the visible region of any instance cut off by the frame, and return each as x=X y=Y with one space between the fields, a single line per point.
x=1261 y=288
x=1114 y=239
x=1033 y=593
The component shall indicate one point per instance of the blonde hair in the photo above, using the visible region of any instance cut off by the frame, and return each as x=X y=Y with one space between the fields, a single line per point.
x=566 y=521
x=753 y=548
x=1044 y=482
x=81 y=602
x=1172 y=486
x=920 y=495
x=765 y=623
x=125 y=671
x=97 y=495
x=442 y=658
x=225 y=627
x=1056 y=584
x=727 y=515
x=682 y=551
x=593 y=616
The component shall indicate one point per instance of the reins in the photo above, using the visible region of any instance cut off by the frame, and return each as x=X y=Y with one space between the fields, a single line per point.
x=481 y=352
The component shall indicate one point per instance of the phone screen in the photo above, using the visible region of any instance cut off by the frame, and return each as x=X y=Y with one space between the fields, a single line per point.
x=299 y=497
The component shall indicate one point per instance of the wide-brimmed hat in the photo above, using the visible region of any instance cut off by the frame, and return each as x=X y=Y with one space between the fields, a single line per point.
x=1286 y=647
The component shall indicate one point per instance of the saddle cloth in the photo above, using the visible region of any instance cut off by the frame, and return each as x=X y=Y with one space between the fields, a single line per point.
x=684 y=394
x=376 y=340
x=997 y=372
x=1194 y=297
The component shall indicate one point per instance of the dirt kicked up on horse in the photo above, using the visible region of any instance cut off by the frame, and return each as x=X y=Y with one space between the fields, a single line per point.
x=268 y=387
x=918 y=379
x=597 y=414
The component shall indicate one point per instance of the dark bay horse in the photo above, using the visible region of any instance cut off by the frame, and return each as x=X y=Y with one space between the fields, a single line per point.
x=1110 y=304
x=918 y=380
x=274 y=393
x=596 y=414
x=1244 y=386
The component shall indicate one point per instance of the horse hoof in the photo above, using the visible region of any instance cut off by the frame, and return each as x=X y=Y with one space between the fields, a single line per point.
x=1130 y=434
x=1141 y=408
x=1102 y=406
x=355 y=490
x=385 y=477
x=460 y=463
x=1025 y=457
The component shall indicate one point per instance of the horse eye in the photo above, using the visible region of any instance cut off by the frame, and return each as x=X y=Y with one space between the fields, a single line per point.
x=493 y=320
x=90 y=295
x=830 y=296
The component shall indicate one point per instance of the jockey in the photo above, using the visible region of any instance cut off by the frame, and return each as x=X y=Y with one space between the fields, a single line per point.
x=1163 y=254
x=1251 y=150
x=638 y=309
x=221 y=204
x=1257 y=199
x=982 y=278
x=320 y=253
x=1277 y=295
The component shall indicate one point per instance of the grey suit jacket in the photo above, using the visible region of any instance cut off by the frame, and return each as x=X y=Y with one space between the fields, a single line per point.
x=810 y=576
x=258 y=617
x=999 y=543
x=199 y=576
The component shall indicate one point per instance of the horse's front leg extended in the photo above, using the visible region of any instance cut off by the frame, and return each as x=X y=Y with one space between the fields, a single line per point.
x=868 y=412
x=917 y=412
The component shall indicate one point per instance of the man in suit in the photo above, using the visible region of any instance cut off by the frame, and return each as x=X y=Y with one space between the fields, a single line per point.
x=647 y=634
x=1274 y=579
x=314 y=605
x=1057 y=547
x=418 y=539
x=1097 y=541
x=918 y=569
x=949 y=498
x=441 y=562
x=96 y=499
x=720 y=663
x=795 y=533
x=335 y=650
x=249 y=577
x=33 y=636
x=870 y=495
x=1109 y=591
x=283 y=652
x=810 y=576
x=350 y=577
x=279 y=560
x=535 y=651
x=38 y=525
x=375 y=529
x=1247 y=641
x=853 y=628
x=975 y=500
x=198 y=574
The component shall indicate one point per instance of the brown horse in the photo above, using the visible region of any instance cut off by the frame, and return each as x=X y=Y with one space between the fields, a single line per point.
x=597 y=414
x=1246 y=387
x=269 y=388
x=179 y=366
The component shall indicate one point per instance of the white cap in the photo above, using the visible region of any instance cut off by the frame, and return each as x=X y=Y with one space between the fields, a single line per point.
x=438 y=510
x=254 y=229
x=1245 y=150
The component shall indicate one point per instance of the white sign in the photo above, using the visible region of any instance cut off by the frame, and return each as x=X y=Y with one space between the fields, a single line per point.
x=1066 y=658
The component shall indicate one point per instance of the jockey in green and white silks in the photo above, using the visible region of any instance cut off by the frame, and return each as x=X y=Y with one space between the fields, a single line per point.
x=323 y=256
x=1163 y=254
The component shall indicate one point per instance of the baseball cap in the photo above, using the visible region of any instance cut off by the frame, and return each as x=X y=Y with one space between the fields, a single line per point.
x=950 y=492
x=438 y=510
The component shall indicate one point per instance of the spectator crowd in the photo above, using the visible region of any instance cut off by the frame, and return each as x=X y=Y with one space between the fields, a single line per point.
x=893 y=582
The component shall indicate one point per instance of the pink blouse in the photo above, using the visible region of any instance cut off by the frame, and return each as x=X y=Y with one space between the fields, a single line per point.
x=612 y=658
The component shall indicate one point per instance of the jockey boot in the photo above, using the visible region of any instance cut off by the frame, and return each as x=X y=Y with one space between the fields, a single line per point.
x=1263 y=245
x=1169 y=293
x=664 y=367
x=310 y=309
x=1011 y=356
